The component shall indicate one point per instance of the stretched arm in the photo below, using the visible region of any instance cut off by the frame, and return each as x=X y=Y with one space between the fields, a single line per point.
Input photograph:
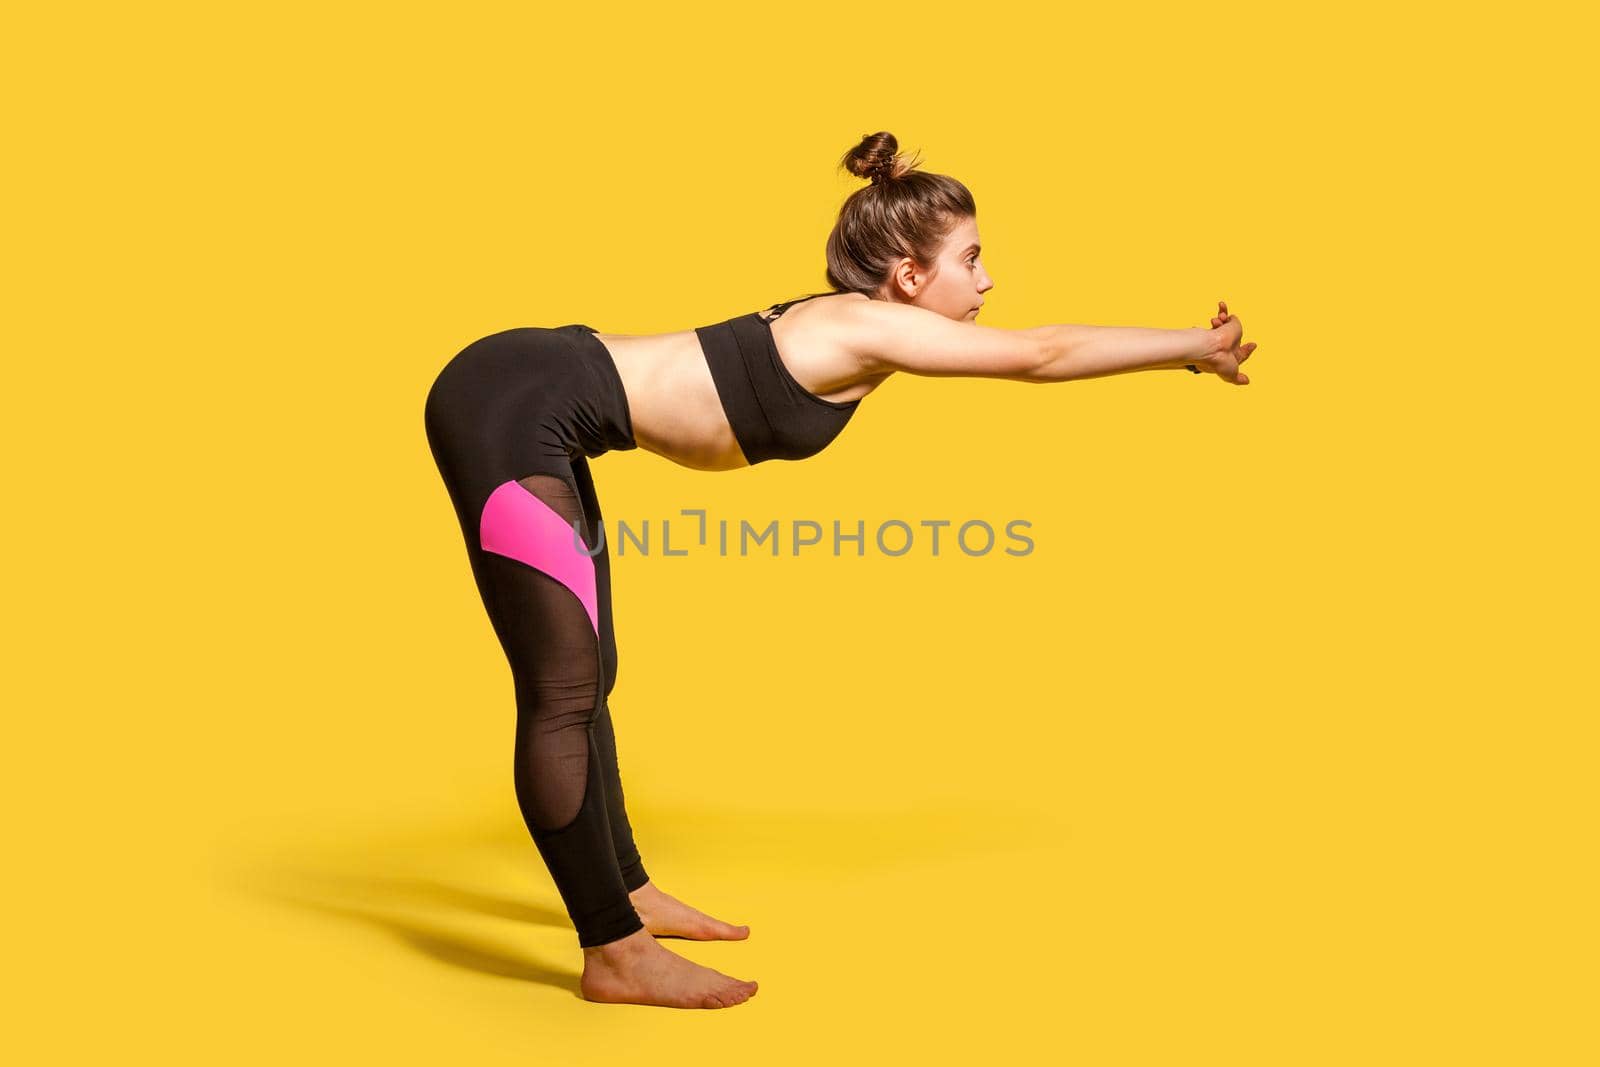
x=883 y=336
x=1075 y=352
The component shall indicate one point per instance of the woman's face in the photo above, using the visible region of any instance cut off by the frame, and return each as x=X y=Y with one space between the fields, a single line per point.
x=955 y=282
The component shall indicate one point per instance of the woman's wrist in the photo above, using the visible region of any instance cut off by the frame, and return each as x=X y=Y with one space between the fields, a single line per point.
x=1208 y=342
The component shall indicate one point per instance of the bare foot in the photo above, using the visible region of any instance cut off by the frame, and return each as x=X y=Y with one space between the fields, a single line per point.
x=664 y=914
x=637 y=970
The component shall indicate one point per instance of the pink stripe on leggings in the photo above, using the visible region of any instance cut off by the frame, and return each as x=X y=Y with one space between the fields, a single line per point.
x=519 y=525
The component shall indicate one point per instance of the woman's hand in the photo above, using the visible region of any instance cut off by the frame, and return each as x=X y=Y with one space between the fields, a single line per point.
x=1226 y=352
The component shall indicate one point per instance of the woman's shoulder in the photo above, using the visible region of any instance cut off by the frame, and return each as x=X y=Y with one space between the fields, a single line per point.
x=830 y=301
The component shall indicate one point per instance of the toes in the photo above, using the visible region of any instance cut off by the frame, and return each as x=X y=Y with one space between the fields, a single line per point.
x=736 y=993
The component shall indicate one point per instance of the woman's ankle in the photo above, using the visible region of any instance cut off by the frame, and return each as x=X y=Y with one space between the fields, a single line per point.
x=622 y=948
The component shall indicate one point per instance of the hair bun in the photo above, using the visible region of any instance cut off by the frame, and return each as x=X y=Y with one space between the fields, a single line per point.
x=875 y=158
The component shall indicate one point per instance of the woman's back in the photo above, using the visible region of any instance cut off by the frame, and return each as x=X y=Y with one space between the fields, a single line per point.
x=678 y=412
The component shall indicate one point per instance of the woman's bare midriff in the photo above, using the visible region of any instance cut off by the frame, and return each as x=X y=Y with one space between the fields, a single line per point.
x=673 y=400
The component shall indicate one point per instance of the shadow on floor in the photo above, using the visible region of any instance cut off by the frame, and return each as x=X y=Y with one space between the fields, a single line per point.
x=368 y=876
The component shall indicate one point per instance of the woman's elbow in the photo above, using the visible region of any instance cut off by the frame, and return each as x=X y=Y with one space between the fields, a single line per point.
x=1034 y=362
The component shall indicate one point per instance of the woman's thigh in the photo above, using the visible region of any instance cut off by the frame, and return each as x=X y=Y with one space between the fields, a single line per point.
x=540 y=592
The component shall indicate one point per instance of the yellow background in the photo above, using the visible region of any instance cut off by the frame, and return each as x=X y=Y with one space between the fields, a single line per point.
x=1278 y=749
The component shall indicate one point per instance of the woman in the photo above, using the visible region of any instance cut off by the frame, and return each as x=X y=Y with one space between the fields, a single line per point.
x=514 y=418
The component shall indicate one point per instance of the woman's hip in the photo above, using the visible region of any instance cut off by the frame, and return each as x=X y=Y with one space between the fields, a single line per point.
x=523 y=401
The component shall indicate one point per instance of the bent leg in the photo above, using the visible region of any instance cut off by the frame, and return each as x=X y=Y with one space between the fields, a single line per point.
x=542 y=597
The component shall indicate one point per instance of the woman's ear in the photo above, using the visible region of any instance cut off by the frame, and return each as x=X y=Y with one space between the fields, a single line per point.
x=903 y=280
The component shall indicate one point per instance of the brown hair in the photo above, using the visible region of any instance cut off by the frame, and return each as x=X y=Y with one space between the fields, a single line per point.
x=904 y=212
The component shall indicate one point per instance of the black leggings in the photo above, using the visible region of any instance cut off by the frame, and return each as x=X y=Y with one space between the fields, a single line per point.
x=512 y=422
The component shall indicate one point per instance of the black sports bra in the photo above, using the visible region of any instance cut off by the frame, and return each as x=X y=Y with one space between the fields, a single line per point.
x=772 y=415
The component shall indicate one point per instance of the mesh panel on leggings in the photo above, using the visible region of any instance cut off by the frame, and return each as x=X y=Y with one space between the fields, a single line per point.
x=554 y=653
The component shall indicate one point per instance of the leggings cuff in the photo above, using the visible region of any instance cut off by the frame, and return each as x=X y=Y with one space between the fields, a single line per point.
x=613 y=924
x=634 y=876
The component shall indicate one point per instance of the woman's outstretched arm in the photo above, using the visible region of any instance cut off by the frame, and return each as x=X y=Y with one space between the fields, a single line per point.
x=1076 y=352
x=886 y=336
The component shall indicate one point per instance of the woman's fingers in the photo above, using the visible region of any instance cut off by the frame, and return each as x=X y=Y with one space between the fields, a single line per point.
x=1241 y=352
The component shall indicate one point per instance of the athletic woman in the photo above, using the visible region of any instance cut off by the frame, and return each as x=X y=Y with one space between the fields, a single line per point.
x=513 y=420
